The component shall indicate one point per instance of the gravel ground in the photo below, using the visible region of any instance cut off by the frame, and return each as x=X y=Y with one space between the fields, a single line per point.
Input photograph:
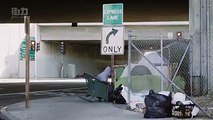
x=206 y=102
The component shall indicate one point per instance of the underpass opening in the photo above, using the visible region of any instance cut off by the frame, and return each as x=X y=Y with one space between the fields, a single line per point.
x=82 y=56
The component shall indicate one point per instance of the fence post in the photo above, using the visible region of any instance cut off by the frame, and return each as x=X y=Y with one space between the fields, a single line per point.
x=161 y=49
x=129 y=67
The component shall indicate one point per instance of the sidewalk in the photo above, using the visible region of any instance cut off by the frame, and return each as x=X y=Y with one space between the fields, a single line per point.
x=70 y=108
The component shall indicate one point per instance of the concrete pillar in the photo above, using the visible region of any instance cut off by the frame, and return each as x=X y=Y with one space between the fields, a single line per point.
x=199 y=49
x=210 y=45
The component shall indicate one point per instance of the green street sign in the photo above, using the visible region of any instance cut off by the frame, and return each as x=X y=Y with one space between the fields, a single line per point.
x=113 y=14
x=23 y=50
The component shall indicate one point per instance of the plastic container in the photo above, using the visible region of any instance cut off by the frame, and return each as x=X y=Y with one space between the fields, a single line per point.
x=182 y=111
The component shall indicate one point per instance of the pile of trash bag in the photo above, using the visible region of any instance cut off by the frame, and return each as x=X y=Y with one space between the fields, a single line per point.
x=158 y=105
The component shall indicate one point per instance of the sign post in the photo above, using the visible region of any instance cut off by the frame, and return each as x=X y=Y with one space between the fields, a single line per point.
x=112 y=42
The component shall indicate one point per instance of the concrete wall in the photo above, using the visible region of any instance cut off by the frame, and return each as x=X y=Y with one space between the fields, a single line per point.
x=143 y=32
x=86 y=58
x=11 y=36
x=48 y=61
x=154 y=32
x=70 y=33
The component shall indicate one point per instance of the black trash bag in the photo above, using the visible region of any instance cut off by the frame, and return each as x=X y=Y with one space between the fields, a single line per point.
x=116 y=96
x=158 y=105
x=111 y=98
x=110 y=92
x=119 y=99
x=156 y=112
x=118 y=90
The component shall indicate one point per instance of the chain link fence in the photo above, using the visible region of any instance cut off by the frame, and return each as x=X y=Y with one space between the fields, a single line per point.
x=163 y=64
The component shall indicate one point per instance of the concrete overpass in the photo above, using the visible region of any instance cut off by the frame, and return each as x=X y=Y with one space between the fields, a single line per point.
x=47 y=11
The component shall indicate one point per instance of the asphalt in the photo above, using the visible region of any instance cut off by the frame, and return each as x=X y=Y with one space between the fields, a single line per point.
x=70 y=108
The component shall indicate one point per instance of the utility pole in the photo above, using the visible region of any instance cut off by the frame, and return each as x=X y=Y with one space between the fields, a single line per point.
x=27 y=61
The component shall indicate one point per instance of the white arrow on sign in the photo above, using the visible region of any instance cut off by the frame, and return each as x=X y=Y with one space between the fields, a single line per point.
x=112 y=41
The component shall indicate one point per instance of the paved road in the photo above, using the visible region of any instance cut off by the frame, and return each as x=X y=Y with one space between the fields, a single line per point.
x=8 y=99
x=12 y=91
x=18 y=85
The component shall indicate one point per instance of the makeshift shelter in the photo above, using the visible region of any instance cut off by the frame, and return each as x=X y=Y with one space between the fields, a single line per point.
x=143 y=75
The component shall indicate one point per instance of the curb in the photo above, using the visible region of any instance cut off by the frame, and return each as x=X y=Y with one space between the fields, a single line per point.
x=5 y=115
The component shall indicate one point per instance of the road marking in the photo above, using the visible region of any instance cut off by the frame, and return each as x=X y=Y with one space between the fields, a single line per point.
x=22 y=93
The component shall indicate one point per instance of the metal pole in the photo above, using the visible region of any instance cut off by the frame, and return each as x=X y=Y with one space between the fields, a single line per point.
x=129 y=67
x=35 y=72
x=62 y=50
x=191 y=64
x=36 y=41
x=27 y=61
x=208 y=45
x=161 y=47
x=62 y=65
x=112 y=66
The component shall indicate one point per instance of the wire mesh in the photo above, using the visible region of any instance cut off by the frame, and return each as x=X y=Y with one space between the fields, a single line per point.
x=164 y=65
x=171 y=60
